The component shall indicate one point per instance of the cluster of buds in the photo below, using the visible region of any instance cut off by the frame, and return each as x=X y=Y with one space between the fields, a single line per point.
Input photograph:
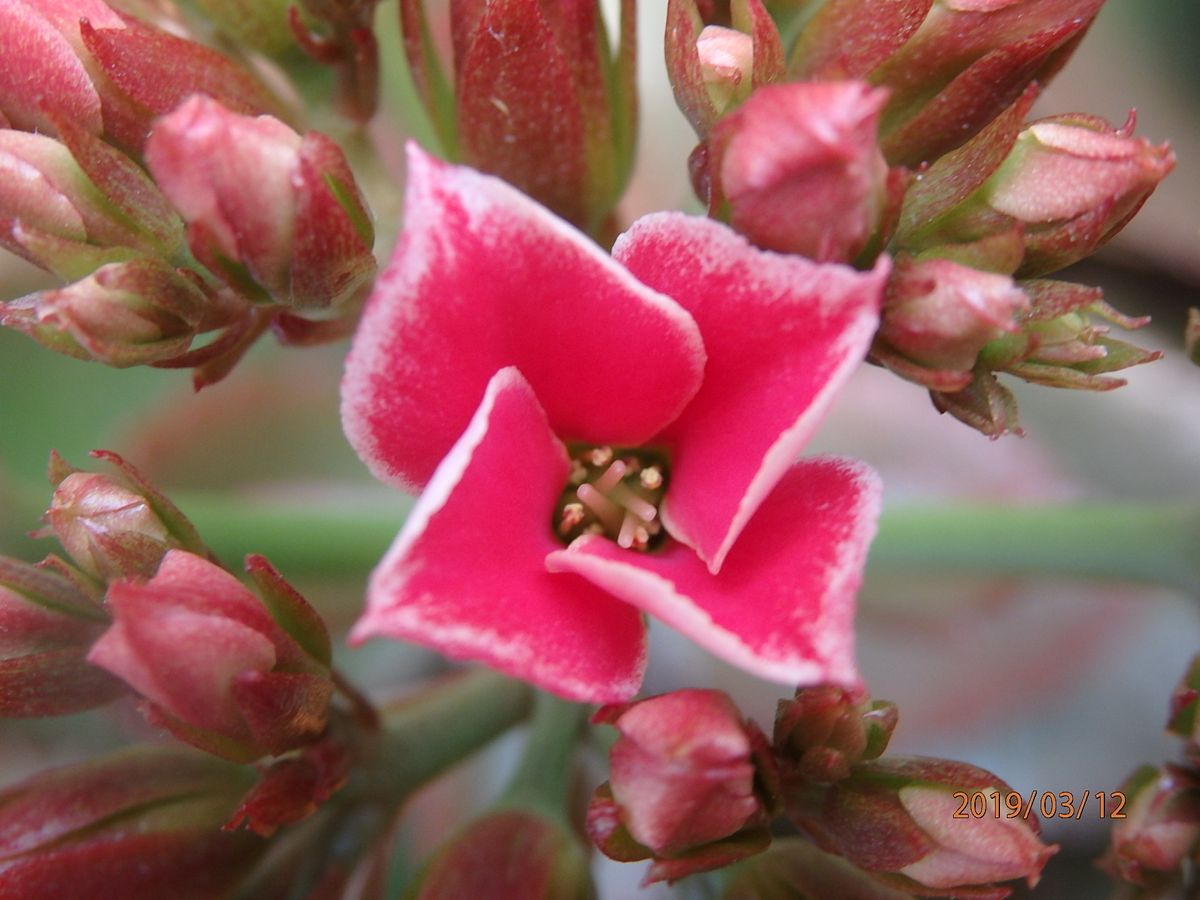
x=108 y=159
x=538 y=98
x=902 y=130
x=694 y=786
x=239 y=674
x=1151 y=846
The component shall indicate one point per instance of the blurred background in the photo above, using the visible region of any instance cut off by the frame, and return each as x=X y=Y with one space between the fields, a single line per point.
x=1055 y=686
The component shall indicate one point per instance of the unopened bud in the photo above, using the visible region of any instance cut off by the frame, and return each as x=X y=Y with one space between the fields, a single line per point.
x=727 y=64
x=798 y=170
x=124 y=314
x=897 y=816
x=1184 y=720
x=1161 y=826
x=689 y=779
x=508 y=855
x=216 y=668
x=824 y=730
x=276 y=215
x=939 y=315
x=139 y=824
x=115 y=526
x=47 y=624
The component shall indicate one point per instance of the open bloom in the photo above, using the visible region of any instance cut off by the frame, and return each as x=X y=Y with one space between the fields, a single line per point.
x=631 y=425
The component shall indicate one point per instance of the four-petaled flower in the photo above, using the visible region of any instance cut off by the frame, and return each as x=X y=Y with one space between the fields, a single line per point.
x=616 y=435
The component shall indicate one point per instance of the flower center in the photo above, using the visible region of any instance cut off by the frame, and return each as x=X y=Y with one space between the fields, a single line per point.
x=613 y=491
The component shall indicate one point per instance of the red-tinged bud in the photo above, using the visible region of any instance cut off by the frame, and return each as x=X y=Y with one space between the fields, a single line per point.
x=1061 y=343
x=45 y=70
x=952 y=66
x=216 y=669
x=47 y=624
x=124 y=314
x=690 y=784
x=115 y=526
x=293 y=788
x=538 y=98
x=55 y=216
x=1073 y=182
x=939 y=315
x=714 y=68
x=794 y=868
x=1160 y=830
x=824 y=730
x=796 y=169
x=1184 y=720
x=142 y=825
x=897 y=818
x=277 y=215
x=510 y=854
x=1057 y=188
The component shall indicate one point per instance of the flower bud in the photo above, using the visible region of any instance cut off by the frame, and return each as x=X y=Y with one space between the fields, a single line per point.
x=1057 y=188
x=797 y=168
x=714 y=68
x=141 y=824
x=54 y=215
x=46 y=73
x=897 y=817
x=1073 y=182
x=276 y=215
x=687 y=784
x=1161 y=827
x=1184 y=720
x=822 y=732
x=124 y=314
x=214 y=666
x=115 y=526
x=47 y=625
x=951 y=66
x=538 y=98
x=939 y=315
x=509 y=854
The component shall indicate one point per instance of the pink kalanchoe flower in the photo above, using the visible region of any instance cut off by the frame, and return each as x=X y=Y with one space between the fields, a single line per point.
x=654 y=433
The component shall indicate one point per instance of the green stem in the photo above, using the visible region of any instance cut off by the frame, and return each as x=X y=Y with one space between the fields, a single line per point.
x=1115 y=541
x=542 y=779
x=1157 y=544
x=425 y=735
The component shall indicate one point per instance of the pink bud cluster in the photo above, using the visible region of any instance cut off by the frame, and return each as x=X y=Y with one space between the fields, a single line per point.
x=899 y=128
x=114 y=135
x=694 y=786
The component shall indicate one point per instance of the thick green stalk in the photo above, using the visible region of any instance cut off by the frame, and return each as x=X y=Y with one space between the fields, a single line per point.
x=1114 y=541
x=426 y=734
x=542 y=779
x=1157 y=544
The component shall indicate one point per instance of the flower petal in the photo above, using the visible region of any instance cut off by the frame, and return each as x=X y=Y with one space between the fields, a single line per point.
x=484 y=278
x=782 y=607
x=466 y=574
x=782 y=335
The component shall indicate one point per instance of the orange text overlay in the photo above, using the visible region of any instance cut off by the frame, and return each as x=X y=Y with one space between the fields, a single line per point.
x=1048 y=804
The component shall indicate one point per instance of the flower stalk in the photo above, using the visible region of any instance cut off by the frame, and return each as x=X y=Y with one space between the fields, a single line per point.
x=1137 y=542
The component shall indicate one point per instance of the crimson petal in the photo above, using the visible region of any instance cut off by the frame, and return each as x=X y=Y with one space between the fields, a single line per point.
x=782 y=335
x=484 y=278
x=466 y=574
x=782 y=607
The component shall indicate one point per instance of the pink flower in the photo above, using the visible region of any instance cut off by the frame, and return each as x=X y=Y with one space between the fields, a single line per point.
x=591 y=402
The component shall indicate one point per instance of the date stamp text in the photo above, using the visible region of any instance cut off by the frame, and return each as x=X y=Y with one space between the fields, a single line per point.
x=1048 y=804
